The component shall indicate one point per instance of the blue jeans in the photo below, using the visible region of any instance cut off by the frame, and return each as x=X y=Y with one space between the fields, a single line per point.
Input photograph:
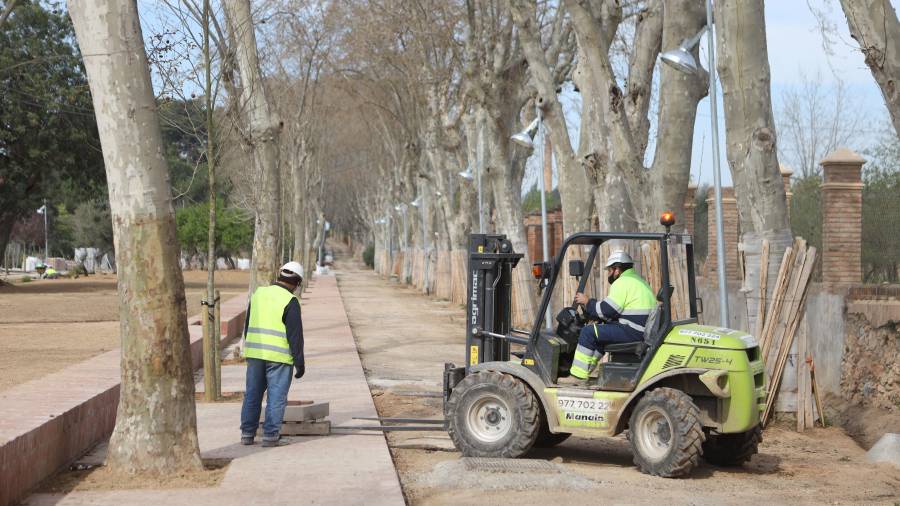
x=263 y=375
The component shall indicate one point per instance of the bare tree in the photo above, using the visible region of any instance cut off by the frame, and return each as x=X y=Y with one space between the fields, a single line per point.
x=743 y=67
x=264 y=132
x=814 y=119
x=874 y=25
x=615 y=126
x=156 y=428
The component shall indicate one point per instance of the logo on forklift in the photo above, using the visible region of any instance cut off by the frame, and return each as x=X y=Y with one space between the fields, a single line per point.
x=474 y=298
x=582 y=417
x=576 y=409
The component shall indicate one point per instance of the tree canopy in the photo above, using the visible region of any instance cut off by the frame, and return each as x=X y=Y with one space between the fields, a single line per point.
x=48 y=136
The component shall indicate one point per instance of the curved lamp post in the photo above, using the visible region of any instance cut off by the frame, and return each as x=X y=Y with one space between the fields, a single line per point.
x=525 y=138
x=682 y=60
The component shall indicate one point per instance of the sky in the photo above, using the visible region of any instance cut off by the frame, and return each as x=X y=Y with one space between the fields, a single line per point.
x=795 y=47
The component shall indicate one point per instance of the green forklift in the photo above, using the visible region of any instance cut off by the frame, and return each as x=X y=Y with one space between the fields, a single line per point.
x=685 y=392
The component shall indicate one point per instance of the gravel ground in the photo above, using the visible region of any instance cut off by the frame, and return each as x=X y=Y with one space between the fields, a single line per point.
x=404 y=338
x=47 y=325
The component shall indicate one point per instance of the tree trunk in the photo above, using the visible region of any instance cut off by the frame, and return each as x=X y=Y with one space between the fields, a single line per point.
x=156 y=427
x=7 y=220
x=265 y=128
x=743 y=67
x=874 y=25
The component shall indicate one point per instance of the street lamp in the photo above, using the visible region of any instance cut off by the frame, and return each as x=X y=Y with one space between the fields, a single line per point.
x=682 y=60
x=525 y=138
x=470 y=176
x=43 y=210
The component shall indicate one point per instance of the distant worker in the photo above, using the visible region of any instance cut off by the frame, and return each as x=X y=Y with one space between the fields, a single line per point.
x=273 y=347
x=625 y=311
x=50 y=273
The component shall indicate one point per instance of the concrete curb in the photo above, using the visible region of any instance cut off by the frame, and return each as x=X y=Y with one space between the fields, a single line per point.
x=48 y=423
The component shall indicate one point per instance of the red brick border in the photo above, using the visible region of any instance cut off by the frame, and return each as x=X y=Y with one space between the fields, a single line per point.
x=48 y=423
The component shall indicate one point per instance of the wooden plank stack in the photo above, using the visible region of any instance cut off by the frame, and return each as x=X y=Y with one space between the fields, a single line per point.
x=651 y=271
x=782 y=317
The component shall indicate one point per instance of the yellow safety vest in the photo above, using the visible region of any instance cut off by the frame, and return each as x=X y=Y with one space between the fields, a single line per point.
x=266 y=337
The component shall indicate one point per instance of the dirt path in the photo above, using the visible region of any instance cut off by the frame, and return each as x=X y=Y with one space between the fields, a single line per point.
x=47 y=325
x=404 y=338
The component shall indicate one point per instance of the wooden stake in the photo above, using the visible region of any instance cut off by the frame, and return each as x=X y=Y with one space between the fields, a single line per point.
x=815 y=388
x=763 y=279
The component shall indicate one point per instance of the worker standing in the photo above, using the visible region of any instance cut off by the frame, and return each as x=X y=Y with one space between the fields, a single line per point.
x=625 y=312
x=273 y=347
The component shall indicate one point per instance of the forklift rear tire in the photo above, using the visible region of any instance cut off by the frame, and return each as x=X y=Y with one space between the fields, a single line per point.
x=665 y=433
x=731 y=449
x=492 y=414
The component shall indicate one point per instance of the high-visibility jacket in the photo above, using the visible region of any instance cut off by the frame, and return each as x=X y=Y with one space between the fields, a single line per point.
x=630 y=301
x=50 y=271
x=266 y=337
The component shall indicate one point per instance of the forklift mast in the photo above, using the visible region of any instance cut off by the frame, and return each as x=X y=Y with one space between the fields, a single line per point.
x=490 y=264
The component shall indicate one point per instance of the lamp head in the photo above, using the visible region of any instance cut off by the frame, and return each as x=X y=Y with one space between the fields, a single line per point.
x=525 y=138
x=681 y=60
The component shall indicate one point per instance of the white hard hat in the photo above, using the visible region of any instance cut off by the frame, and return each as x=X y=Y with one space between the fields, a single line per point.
x=292 y=269
x=618 y=257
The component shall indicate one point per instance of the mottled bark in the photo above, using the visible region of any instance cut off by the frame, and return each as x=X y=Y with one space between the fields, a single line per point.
x=874 y=25
x=264 y=131
x=678 y=98
x=156 y=430
x=573 y=184
x=743 y=67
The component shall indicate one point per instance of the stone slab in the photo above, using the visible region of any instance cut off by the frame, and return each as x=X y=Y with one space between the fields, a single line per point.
x=305 y=413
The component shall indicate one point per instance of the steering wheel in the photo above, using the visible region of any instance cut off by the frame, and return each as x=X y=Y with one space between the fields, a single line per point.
x=580 y=316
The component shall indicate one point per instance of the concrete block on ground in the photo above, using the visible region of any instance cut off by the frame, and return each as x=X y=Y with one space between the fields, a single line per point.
x=886 y=450
x=315 y=411
x=301 y=411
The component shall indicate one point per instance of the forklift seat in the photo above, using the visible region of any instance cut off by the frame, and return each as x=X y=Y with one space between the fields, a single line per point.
x=638 y=348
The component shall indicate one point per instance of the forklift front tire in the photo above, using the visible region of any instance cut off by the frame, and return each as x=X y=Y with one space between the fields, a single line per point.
x=492 y=414
x=665 y=433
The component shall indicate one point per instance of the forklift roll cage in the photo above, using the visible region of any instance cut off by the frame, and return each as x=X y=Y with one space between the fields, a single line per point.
x=491 y=260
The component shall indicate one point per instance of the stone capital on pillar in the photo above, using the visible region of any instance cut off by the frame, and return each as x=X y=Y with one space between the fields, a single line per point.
x=786 y=174
x=842 y=217
x=689 y=205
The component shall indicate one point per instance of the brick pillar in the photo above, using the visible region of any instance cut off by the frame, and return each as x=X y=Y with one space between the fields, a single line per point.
x=842 y=217
x=688 y=218
x=786 y=174
x=730 y=228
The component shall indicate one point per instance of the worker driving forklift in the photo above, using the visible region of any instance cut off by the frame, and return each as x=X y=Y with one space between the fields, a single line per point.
x=683 y=391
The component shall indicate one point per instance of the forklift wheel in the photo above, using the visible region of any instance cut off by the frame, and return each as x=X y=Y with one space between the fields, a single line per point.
x=492 y=414
x=732 y=449
x=665 y=433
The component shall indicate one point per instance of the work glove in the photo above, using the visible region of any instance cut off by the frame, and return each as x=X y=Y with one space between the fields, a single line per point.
x=301 y=370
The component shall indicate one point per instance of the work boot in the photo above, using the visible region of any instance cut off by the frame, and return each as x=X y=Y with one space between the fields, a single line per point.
x=572 y=381
x=246 y=440
x=270 y=441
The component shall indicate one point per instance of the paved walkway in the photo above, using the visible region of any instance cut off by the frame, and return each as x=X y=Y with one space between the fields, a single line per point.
x=335 y=469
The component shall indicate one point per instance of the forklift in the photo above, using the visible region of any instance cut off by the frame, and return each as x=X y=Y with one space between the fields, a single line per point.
x=685 y=392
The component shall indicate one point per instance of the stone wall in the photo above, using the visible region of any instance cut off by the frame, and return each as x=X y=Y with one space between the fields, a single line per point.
x=870 y=375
